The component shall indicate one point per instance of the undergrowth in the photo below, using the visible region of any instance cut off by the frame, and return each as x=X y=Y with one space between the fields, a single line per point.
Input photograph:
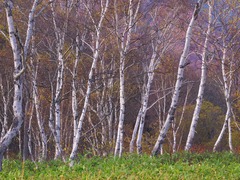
x=167 y=166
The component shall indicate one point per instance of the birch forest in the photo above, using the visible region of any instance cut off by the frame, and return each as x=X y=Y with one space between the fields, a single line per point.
x=110 y=77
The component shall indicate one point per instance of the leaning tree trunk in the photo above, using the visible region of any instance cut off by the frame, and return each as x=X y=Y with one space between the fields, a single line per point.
x=89 y=84
x=227 y=90
x=17 y=75
x=135 y=131
x=182 y=65
x=34 y=73
x=145 y=97
x=201 y=86
x=176 y=127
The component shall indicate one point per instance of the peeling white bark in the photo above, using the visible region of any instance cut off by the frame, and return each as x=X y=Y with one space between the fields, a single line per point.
x=18 y=71
x=55 y=108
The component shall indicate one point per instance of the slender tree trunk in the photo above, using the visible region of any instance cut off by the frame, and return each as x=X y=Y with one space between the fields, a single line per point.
x=145 y=97
x=230 y=135
x=36 y=100
x=123 y=49
x=202 y=84
x=25 y=133
x=175 y=127
x=57 y=101
x=119 y=141
x=5 y=99
x=29 y=133
x=182 y=65
x=89 y=84
x=135 y=130
x=74 y=89
x=227 y=91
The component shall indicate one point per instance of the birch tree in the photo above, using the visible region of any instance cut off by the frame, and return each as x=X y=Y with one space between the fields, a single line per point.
x=176 y=126
x=34 y=63
x=19 y=56
x=229 y=41
x=178 y=85
x=97 y=27
x=6 y=101
x=202 y=81
x=55 y=107
x=227 y=91
x=123 y=41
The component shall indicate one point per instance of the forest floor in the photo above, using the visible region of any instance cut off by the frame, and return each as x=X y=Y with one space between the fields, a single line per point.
x=167 y=166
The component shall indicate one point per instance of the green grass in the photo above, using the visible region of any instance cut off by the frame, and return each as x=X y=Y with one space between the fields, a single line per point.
x=176 y=166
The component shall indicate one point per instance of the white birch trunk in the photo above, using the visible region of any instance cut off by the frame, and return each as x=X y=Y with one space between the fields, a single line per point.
x=182 y=64
x=56 y=104
x=74 y=89
x=51 y=125
x=202 y=83
x=37 y=102
x=227 y=91
x=5 y=99
x=111 y=126
x=89 y=83
x=119 y=141
x=57 y=101
x=18 y=70
x=230 y=135
x=39 y=120
x=175 y=129
x=29 y=134
x=145 y=97
x=123 y=49
x=135 y=131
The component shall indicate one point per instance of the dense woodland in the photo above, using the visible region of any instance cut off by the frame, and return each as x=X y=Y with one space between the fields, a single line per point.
x=100 y=77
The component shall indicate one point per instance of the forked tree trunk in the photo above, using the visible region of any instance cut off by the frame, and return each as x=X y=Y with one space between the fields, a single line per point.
x=55 y=108
x=182 y=65
x=124 y=45
x=18 y=73
x=227 y=91
x=202 y=83
x=145 y=97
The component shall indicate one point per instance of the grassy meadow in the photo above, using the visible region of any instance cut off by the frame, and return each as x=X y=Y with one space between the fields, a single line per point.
x=167 y=166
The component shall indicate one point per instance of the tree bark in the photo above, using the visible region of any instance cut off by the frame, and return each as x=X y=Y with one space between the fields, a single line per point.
x=18 y=72
x=227 y=91
x=89 y=83
x=182 y=65
x=145 y=96
x=123 y=49
x=202 y=83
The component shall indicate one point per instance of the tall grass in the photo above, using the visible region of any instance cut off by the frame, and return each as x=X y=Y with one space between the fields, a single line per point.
x=167 y=166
